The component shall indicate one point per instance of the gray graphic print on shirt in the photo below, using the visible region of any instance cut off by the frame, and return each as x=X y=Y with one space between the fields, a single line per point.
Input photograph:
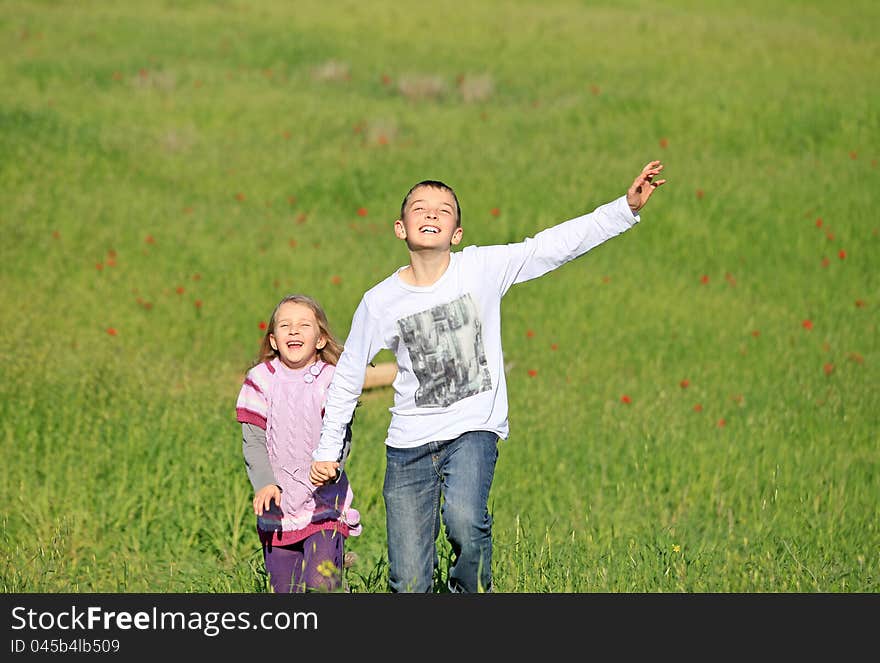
x=445 y=344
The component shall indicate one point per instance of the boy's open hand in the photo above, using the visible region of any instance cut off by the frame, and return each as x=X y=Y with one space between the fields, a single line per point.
x=643 y=186
x=323 y=472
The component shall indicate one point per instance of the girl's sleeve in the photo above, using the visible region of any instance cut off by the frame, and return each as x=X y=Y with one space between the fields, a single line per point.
x=252 y=406
x=256 y=456
x=251 y=410
x=557 y=245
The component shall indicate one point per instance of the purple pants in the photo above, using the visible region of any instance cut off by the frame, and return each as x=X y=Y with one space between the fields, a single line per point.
x=313 y=564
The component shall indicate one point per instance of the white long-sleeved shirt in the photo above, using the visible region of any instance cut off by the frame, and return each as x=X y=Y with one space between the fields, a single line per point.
x=447 y=336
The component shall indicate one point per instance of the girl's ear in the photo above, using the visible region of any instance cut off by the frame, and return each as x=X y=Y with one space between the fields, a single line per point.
x=272 y=342
x=322 y=342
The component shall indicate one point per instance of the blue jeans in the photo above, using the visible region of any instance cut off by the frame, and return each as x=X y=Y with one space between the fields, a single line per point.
x=460 y=470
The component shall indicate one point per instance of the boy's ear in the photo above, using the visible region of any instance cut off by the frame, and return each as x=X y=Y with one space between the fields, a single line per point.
x=399 y=229
x=456 y=236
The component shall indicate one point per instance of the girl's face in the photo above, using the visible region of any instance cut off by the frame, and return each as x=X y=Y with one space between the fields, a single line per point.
x=297 y=336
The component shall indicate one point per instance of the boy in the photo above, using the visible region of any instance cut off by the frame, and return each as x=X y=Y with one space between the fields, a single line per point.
x=440 y=315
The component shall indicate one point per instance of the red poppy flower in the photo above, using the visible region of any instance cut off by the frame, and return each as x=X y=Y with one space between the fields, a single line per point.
x=819 y=222
x=684 y=384
x=825 y=261
x=111 y=331
x=262 y=325
x=530 y=333
x=56 y=234
x=149 y=239
x=704 y=279
x=362 y=211
x=292 y=243
x=336 y=280
x=829 y=237
x=595 y=89
x=828 y=368
x=196 y=277
x=179 y=290
x=198 y=303
x=841 y=254
x=532 y=372
x=554 y=346
x=853 y=155
x=664 y=143
x=495 y=211
x=239 y=197
x=99 y=266
x=386 y=79
x=699 y=194
x=625 y=399
x=756 y=333
x=860 y=303
x=721 y=423
x=301 y=218
x=698 y=408
x=807 y=324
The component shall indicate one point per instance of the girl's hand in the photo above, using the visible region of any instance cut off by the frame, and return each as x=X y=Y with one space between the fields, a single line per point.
x=323 y=472
x=264 y=496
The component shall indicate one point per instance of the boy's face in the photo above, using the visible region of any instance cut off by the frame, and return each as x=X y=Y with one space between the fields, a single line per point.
x=430 y=220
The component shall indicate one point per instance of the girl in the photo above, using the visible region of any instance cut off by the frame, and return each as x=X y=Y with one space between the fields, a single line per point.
x=280 y=407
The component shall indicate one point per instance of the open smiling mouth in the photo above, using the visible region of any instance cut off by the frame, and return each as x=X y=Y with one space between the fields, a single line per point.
x=433 y=230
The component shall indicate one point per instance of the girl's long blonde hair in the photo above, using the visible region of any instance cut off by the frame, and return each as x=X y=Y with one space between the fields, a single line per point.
x=332 y=348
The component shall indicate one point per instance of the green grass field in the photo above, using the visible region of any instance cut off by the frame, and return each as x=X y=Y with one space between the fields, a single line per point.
x=694 y=405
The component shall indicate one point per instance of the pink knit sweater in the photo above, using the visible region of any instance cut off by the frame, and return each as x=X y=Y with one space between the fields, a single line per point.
x=289 y=405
